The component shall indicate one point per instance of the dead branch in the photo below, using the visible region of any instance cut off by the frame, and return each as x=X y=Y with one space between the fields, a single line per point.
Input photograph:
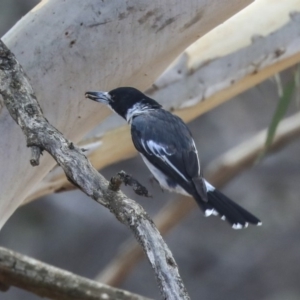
x=122 y=177
x=23 y=107
x=47 y=281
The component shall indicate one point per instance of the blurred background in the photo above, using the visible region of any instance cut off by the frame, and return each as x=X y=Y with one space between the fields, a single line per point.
x=70 y=231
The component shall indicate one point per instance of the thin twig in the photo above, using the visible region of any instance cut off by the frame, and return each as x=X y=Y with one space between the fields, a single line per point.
x=22 y=105
x=35 y=156
x=122 y=177
x=51 y=282
x=219 y=173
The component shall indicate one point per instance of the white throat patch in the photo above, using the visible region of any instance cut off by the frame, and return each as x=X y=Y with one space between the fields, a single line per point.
x=136 y=109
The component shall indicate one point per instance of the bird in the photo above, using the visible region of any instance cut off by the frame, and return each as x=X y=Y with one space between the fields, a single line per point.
x=167 y=147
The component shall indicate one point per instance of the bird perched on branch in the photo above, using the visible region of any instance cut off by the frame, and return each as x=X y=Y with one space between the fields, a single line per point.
x=168 y=149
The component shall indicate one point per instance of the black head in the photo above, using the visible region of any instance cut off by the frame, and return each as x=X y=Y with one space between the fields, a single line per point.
x=122 y=99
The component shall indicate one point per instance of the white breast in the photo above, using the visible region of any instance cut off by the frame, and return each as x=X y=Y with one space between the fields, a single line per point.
x=162 y=179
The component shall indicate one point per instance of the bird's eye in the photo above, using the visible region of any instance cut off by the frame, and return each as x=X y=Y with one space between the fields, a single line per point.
x=112 y=97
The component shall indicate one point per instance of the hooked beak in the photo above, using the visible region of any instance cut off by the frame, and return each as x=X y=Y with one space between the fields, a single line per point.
x=102 y=97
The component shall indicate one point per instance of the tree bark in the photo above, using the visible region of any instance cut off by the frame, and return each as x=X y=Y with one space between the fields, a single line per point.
x=47 y=281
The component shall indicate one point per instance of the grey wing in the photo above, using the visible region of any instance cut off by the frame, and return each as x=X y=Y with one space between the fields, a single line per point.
x=166 y=142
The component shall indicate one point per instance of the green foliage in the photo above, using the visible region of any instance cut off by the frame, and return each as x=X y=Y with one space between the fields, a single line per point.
x=283 y=104
x=285 y=98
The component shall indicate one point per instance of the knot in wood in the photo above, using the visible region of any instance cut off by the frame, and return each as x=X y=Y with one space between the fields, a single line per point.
x=6 y=62
x=71 y=146
x=31 y=109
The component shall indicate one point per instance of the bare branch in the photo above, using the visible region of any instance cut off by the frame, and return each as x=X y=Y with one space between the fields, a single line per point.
x=51 y=282
x=21 y=103
x=122 y=177
x=219 y=173
x=219 y=70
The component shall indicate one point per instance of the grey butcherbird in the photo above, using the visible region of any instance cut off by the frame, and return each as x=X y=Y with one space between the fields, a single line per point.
x=168 y=149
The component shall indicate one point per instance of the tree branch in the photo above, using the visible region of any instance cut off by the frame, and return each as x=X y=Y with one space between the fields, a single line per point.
x=51 y=282
x=122 y=177
x=219 y=172
x=35 y=156
x=22 y=105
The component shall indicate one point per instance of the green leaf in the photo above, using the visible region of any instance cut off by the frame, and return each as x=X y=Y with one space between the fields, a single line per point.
x=281 y=109
x=297 y=82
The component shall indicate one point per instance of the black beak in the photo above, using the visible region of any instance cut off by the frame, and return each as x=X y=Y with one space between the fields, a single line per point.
x=102 y=97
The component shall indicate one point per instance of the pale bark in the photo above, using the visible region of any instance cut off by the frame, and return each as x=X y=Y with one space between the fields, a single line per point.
x=228 y=60
x=47 y=281
x=219 y=173
x=23 y=107
x=68 y=47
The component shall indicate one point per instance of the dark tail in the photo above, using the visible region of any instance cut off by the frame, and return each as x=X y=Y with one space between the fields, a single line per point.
x=219 y=204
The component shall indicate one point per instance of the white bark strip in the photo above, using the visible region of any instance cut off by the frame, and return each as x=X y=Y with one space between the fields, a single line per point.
x=68 y=47
x=207 y=67
x=26 y=112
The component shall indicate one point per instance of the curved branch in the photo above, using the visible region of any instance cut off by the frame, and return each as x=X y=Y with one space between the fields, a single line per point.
x=23 y=107
x=219 y=173
x=219 y=68
x=47 y=281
